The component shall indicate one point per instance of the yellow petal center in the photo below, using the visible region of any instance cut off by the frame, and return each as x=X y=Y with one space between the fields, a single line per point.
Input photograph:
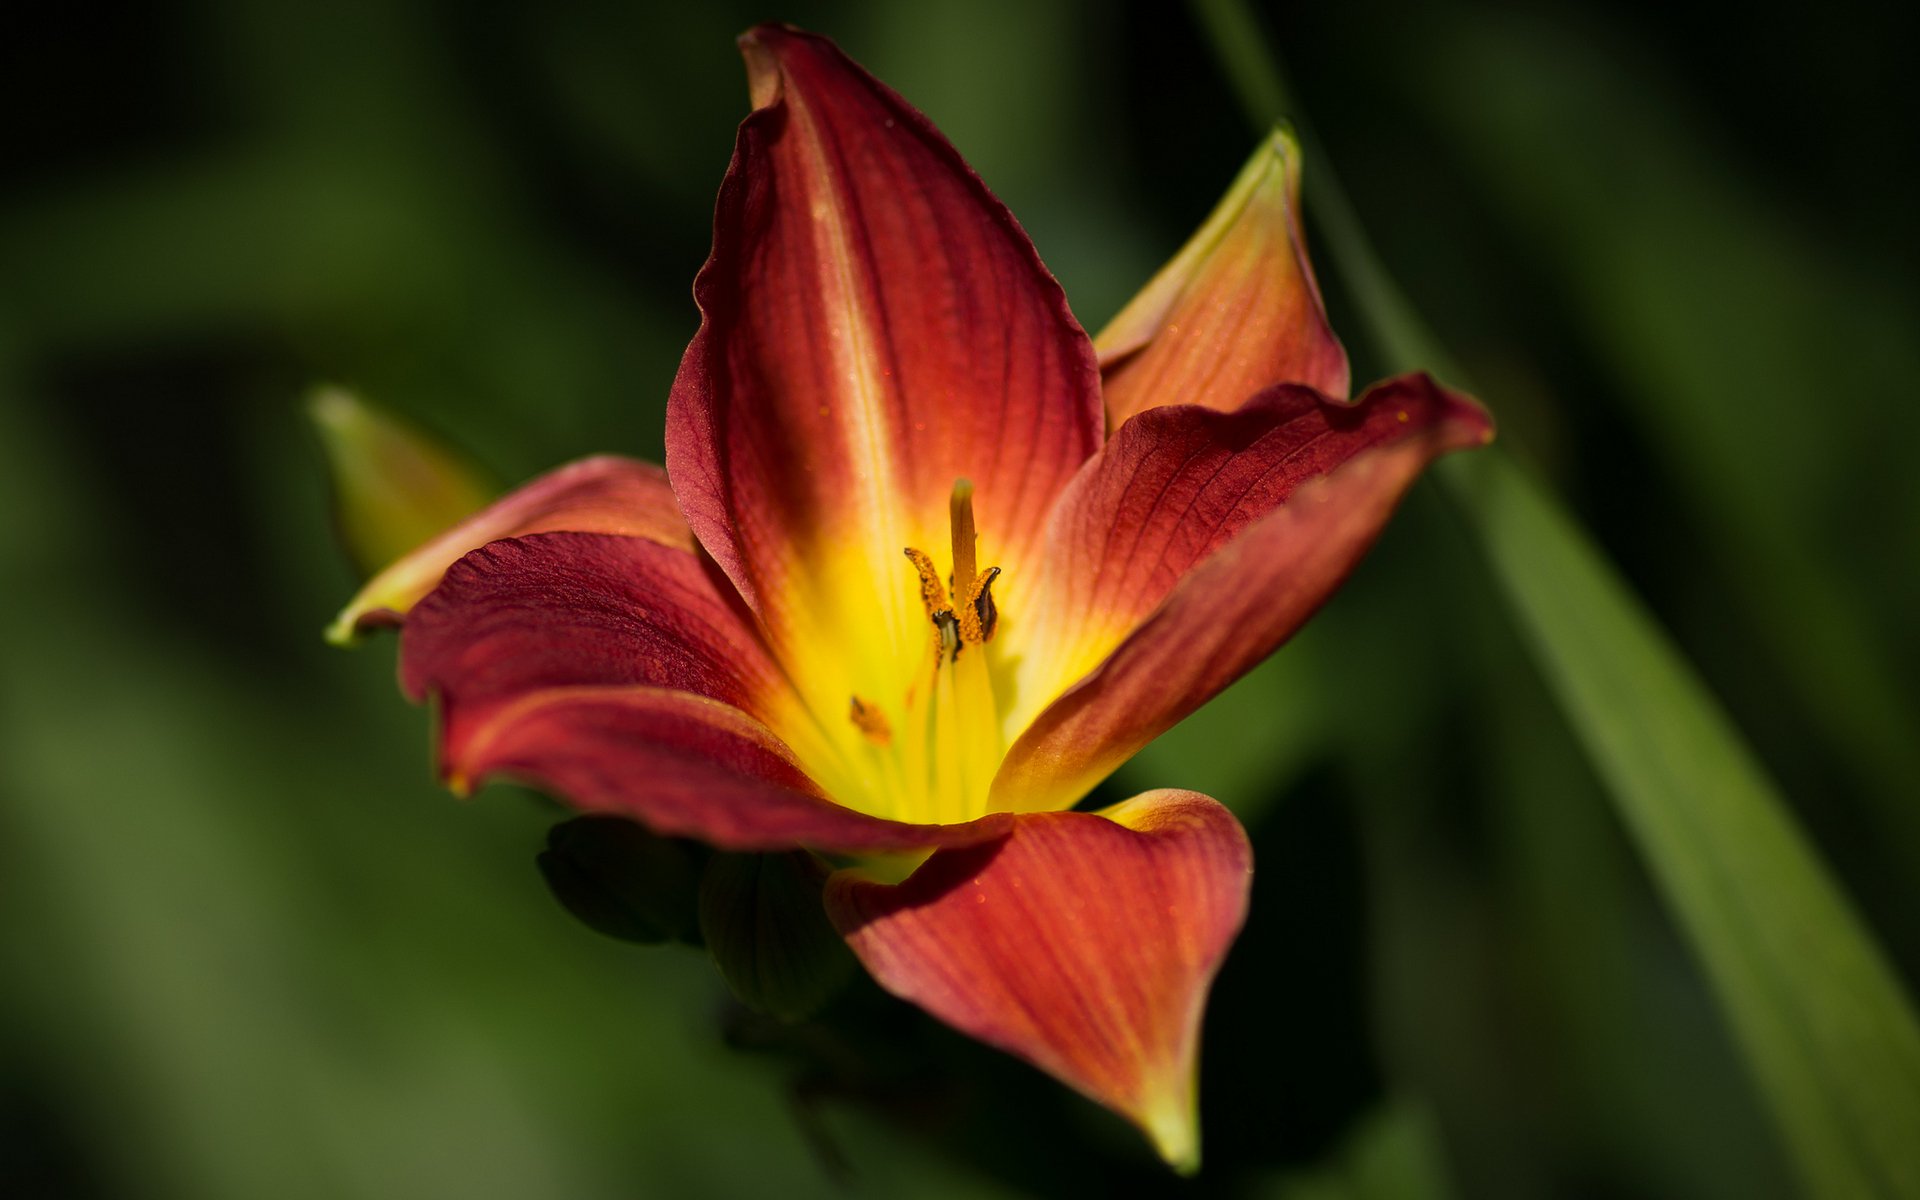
x=920 y=740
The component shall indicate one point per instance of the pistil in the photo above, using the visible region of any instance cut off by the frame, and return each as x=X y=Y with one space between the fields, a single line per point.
x=974 y=708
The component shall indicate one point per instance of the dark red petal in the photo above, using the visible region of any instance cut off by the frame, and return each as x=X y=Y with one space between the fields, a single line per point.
x=571 y=609
x=1198 y=542
x=604 y=494
x=682 y=765
x=1084 y=943
x=875 y=326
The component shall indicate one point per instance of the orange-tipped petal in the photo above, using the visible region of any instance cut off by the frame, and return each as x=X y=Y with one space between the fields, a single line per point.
x=875 y=326
x=1195 y=545
x=681 y=764
x=1235 y=312
x=603 y=494
x=1083 y=943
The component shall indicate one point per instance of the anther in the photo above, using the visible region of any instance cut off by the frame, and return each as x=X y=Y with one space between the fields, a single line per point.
x=985 y=611
x=932 y=594
x=933 y=597
x=977 y=615
x=971 y=617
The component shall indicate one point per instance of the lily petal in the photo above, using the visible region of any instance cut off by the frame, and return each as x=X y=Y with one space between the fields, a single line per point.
x=875 y=326
x=394 y=487
x=553 y=610
x=681 y=764
x=603 y=494
x=1237 y=311
x=1083 y=943
x=1196 y=544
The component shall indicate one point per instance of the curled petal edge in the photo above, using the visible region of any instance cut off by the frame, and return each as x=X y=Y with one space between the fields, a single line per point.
x=1232 y=606
x=601 y=494
x=1082 y=943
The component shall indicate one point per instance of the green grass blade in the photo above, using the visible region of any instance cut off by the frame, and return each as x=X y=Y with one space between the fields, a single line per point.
x=1818 y=1014
x=1744 y=363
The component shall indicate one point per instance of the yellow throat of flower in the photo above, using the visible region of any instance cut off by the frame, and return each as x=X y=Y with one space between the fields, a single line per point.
x=929 y=753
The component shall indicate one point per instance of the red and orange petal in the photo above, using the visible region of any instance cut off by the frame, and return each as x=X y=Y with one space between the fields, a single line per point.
x=682 y=765
x=1237 y=311
x=875 y=325
x=1196 y=544
x=558 y=610
x=625 y=676
x=1083 y=943
x=603 y=494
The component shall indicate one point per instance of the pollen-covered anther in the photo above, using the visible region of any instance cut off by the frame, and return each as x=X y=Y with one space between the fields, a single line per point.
x=971 y=616
x=933 y=597
x=933 y=594
x=870 y=721
x=978 y=617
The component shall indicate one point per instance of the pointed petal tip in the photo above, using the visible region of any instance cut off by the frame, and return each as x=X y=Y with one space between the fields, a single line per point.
x=763 y=67
x=1169 y=344
x=763 y=47
x=767 y=34
x=354 y=623
x=1084 y=943
x=1283 y=146
x=1174 y=1130
x=330 y=406
x=1467 y=422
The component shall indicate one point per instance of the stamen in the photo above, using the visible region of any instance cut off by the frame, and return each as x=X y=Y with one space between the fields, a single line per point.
x=869 y=720
x=949 y=737
x=932 y=594
x=978 y=616
x=933 y=597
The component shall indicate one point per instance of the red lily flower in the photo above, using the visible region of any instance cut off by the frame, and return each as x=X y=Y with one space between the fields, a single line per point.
x=931 y=565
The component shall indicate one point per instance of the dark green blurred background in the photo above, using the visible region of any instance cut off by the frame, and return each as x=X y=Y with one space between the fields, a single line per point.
x=249 y=949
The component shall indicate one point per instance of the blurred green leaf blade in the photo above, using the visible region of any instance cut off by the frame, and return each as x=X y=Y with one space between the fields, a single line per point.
x=1821 y=1018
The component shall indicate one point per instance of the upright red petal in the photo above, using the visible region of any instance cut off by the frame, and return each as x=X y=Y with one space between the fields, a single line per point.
x=1236 y=312
x=875 y=325
x=603 y=494
x=1084 y=943
x=1198 y=542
